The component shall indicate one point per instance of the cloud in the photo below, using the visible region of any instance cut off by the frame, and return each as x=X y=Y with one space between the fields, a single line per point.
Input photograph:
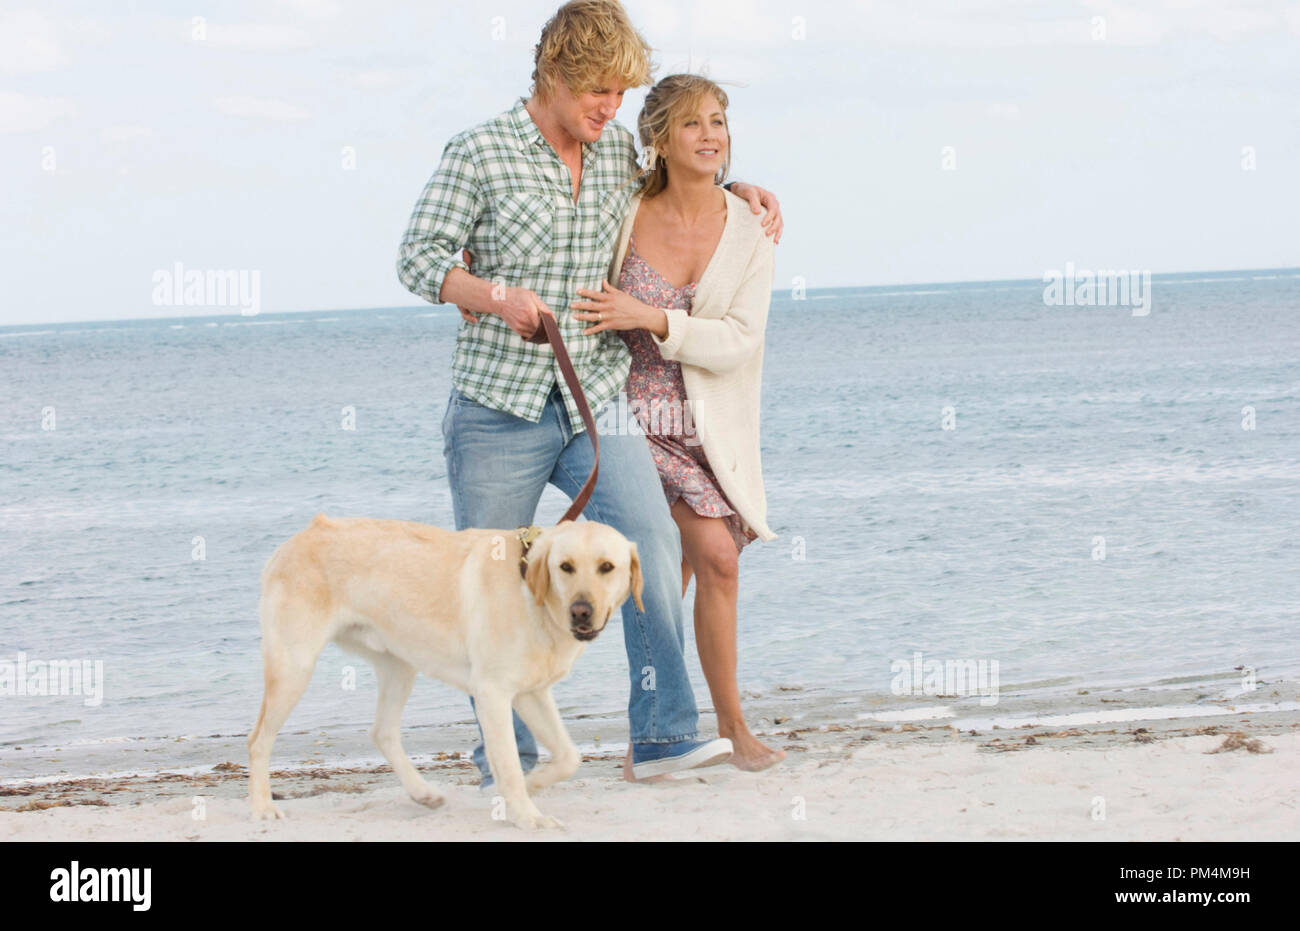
x=28 y=44
x=23 y=113
x=379 y=79
x=260 y=108
x=1016 y=23
x=247 y=37
x=653 y=18
x=1229 y=24
x=315 y=9
x=722 y=22
x=124 y=132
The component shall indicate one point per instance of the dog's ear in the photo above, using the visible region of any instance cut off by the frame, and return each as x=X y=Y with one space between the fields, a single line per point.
x=538 y=575
x=638 y=583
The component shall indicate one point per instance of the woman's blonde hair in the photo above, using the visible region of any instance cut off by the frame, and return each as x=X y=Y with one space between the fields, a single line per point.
x=585 y=44
x=666 y=105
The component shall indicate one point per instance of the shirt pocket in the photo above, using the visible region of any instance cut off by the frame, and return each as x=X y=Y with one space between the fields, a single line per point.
x=609 y=221
x=525 y=229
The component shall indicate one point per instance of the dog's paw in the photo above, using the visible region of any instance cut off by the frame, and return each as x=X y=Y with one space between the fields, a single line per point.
x=429 y=797
x=267 y=813
x=548 y=774
x=536 y=821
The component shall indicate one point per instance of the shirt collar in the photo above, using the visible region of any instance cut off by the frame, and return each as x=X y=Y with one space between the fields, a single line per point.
x=530 y=136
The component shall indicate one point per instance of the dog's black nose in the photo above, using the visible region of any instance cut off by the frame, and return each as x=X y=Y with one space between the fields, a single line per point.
x=580 y=612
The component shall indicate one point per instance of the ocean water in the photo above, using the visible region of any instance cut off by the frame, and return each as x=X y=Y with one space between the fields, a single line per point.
x=1072 y=429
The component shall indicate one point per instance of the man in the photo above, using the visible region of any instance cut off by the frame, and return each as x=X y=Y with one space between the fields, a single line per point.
x=537 y=195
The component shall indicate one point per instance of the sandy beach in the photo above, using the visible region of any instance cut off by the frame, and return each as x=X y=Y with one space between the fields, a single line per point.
x=1127 y=764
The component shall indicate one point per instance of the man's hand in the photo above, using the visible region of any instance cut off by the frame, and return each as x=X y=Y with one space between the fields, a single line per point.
x=519 y=308
x=760 y=198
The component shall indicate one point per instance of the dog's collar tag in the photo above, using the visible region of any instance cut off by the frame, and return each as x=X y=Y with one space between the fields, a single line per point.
x=526 y=537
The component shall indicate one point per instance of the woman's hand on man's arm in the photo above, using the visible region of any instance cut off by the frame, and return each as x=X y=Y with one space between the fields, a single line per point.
x=617 y=310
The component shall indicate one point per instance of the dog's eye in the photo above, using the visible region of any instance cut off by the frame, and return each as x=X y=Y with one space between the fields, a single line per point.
x=606 y=566
x=566 y=566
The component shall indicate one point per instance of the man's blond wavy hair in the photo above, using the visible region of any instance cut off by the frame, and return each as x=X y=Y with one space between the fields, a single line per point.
x=585 y=44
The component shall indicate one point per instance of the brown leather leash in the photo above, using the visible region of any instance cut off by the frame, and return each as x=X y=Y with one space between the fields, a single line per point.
x=548 y=331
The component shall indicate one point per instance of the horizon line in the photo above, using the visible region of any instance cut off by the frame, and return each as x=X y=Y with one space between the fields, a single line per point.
x=910 y=284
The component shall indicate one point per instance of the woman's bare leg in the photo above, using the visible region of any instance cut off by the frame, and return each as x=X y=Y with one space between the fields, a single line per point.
x=709 y=549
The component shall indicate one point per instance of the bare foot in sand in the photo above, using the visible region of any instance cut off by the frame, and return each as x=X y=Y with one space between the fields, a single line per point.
x=627 y=771
x=749 y=754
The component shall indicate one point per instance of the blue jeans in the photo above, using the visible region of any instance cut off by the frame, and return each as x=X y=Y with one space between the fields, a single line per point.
x=499 y=464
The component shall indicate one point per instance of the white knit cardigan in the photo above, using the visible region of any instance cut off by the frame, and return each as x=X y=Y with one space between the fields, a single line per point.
x=720 y=347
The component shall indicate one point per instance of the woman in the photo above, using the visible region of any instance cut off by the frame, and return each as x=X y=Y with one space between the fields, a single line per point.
x=694 y=274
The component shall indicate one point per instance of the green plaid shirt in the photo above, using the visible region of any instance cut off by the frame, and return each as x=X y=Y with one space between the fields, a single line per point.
x=502 y=192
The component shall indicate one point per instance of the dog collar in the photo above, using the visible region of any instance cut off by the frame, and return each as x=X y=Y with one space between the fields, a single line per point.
x=526 y=536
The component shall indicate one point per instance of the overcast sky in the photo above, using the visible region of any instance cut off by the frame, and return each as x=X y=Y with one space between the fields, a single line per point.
x=910 y=141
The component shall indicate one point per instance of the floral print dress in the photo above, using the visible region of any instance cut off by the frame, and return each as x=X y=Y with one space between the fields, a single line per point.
x=684 y=471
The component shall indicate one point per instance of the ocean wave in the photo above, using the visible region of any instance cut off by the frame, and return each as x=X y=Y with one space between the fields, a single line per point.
x=1119 y=715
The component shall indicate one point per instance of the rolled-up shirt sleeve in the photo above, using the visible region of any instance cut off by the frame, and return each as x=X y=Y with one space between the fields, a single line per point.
x=446 y=213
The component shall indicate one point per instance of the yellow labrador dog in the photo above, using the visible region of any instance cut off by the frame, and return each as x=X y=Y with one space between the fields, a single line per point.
x=414 y=598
